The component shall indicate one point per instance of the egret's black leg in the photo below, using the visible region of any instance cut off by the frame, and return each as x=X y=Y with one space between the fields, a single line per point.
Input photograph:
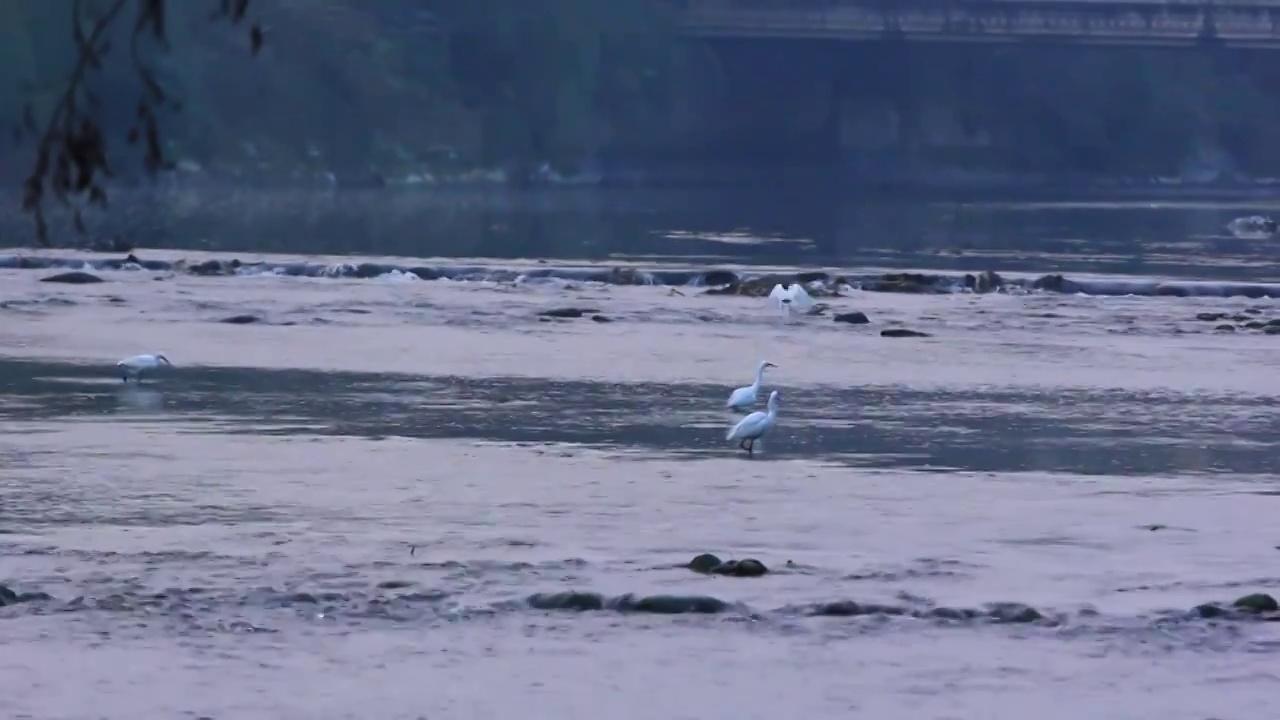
x=751 y=447
x=742 y=444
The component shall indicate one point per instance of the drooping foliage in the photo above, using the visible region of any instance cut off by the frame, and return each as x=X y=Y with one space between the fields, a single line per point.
x=71 y=161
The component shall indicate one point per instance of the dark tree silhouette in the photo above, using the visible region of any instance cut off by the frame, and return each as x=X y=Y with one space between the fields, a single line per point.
x=71 y=151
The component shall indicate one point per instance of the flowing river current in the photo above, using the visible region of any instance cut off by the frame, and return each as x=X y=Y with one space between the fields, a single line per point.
x=400 y=488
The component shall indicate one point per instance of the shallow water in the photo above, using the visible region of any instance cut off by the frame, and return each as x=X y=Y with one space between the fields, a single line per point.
x=343 y=511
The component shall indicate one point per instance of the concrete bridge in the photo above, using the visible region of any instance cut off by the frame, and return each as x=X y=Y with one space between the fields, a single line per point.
x=1232 y=23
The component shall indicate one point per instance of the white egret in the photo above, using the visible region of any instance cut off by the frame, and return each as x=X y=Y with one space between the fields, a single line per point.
x=133 y=366
x=793 y=297
x=1253 y=227
x=745 y=397
x=752 y=427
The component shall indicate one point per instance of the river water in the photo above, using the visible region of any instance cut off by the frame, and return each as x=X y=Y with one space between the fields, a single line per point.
x=357 y=506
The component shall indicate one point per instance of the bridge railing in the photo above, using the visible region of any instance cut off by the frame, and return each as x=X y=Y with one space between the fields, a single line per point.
x=1233 y=22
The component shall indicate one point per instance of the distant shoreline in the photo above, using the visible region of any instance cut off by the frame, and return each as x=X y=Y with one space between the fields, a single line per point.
x=276 y=215
x=1006 y=190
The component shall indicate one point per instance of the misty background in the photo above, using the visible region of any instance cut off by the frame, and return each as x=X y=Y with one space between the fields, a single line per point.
x=577 y=127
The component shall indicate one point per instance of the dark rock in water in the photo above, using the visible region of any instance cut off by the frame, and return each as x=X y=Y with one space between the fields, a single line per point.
x=131 y=262
x=985 y=282
x=1013 y=613
x=1225 y=328
x=853 y=318
x=1056 y=283
x=566 y=601
x=601 y=319
x=215 y=267
x=568 y=312
x=839 y=608
x=660 y=604
x=849 y=608
x=670 y=604
x=1210 y=316
x=705 y=563
x=905 y=283
x=241 y=320
x=902 y=333
x=949 y=613
x=755 y=287
x=1274 y=322
x=709 y=564
x=1257 y=602
x=1255 y=324
x=73 y=278
x=763 y=285
x=1271 y=330
x=10 y=597
x=364 y=271
x=719 y=277
x=1209 y=610
x=747 y=567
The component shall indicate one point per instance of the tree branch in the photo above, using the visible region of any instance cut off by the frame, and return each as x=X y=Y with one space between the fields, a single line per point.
x=71 y=153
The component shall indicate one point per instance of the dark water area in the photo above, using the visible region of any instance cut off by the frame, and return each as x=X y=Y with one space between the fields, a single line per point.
x=794 y=221
x=1095 y=248
x=1099 y=432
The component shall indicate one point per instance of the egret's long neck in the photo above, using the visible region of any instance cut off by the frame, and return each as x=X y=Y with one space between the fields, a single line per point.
x=773 y=406
x=759 y=377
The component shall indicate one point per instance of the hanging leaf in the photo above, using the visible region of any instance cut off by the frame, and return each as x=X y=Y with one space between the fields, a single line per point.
x=71 y=153
x=255 y=40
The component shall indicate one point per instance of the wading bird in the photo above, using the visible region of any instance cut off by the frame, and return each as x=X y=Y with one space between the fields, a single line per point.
x=133 y=366
x=745 y=397
x=792 y=298
x=752 y=427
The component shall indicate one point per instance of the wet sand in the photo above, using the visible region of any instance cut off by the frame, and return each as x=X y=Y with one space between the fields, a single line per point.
x=489 y=329
x=1046 y=540
x=493 y=523
x=189 y=514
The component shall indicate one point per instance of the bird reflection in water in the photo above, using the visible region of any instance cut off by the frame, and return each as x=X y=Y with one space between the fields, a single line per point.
x=134 y=398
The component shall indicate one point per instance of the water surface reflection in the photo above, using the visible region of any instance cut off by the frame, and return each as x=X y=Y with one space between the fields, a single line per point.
x=1100 y=432
x=798 y=226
